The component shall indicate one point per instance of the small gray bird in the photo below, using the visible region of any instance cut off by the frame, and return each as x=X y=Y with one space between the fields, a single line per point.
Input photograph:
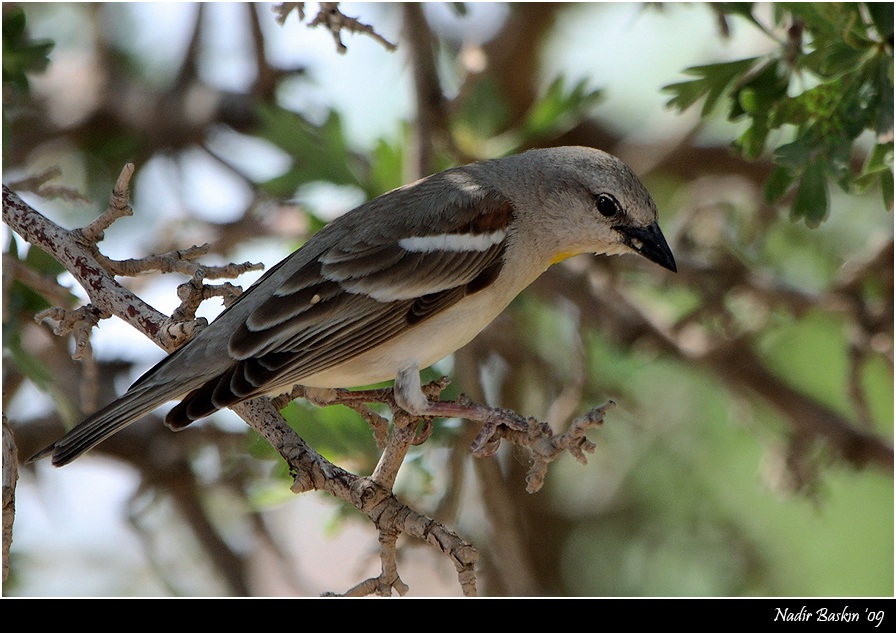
x=395 y=285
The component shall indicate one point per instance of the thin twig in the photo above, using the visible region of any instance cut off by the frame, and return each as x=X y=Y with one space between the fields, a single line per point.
x=334 y=20
x=118 y=206
x=330 y=17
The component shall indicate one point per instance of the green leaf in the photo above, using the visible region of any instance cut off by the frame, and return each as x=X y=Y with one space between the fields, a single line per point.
x=827 y=20
x=882 y=17
x=759 y=91
x=484 y=111
x=878 y=168
x=714 y=79
x=796 y=153
x=29 y=364
x=21 y=55
x=834 y=59
x=756 y=96
x=879 y=161
x=320 y=152
x=752 y=142
x=336 y=432
x=777 y=184
x=386 y=166
x=884 y=124
x=750 y=101
x=686 y=94
x=559 y=110
x=886 y=185
x=25 y=300
x=838 y=155
x=14 y=24
x=811 y=201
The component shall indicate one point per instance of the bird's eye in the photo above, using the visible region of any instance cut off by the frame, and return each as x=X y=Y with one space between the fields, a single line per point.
x=607 y=205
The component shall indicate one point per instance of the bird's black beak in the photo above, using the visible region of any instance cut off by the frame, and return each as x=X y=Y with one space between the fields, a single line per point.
x=650 y=243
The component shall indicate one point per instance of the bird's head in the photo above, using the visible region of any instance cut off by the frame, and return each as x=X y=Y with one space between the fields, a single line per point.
x=592 y=202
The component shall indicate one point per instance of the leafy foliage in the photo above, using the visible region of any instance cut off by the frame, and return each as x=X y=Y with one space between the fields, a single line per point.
x=320 y=153
x=826 y=88
x=21 y=304
x=482 y=128
x=558 y=110
x=21 y=54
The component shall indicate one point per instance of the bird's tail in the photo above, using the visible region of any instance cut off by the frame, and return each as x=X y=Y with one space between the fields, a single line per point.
x=133 y=405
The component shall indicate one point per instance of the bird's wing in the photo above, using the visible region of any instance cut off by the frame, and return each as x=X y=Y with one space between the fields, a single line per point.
x=357 y=293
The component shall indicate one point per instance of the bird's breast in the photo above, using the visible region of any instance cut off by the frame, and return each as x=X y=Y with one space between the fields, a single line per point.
x=420 y=345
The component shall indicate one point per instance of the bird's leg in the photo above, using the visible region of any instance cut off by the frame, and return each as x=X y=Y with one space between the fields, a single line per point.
x=410 y=397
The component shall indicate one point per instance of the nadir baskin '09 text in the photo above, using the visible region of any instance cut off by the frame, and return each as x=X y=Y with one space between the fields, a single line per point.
x=828 y=615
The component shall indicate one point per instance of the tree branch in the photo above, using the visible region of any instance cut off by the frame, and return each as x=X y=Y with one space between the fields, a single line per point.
x=10 y=476
x=431 y=122
x=331 y=18
x=77 y=251
x=732 y=360
x=78 y=256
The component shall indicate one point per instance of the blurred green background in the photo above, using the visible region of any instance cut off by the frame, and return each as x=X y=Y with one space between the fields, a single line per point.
x=751 y=451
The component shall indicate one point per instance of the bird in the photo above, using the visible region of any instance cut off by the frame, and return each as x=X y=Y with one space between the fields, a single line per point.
x=395 y=285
